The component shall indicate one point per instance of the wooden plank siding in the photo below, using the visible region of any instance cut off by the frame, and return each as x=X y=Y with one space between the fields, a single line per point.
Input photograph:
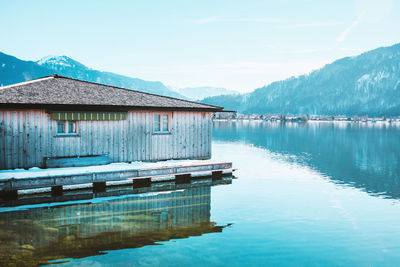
x=27 y=137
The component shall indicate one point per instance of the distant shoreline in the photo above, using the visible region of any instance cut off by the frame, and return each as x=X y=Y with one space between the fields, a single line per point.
x=302 y=118
x=370 y=120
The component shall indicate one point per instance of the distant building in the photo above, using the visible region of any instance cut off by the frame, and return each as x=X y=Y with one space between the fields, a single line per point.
x=341 y=118
x=225 y=115
x=59 y=118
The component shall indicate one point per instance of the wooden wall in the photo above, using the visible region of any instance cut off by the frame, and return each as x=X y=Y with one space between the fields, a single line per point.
x=29 y=136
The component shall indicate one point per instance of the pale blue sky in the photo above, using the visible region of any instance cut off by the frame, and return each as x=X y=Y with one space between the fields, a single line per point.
x=239 y=45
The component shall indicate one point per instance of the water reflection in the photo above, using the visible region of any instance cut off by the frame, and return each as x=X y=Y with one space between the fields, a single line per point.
x=36 y=234
x=364 y=155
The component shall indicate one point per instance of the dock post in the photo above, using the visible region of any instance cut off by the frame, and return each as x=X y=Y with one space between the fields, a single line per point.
x=99 y=186
x=183 y=178
x=143 y=182
x=216 y=175
x=9 y=194
x=57 y=190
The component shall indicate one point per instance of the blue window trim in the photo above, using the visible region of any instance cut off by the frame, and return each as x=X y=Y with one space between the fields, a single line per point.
x=161 y=132
x=67 y=135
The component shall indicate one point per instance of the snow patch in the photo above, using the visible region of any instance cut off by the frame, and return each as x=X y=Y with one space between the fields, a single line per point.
x=34 y=191
x=365 y=77
x=122 y=182
x=55 y=60
x=44 y=60
x=381 y=75
x=77 y=186
x=113 y=167
x=363 y=83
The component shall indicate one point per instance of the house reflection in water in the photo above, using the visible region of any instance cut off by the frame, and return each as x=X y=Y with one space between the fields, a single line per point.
x=46 y=232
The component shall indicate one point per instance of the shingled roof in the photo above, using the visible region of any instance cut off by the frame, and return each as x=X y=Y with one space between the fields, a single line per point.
x=56 y=90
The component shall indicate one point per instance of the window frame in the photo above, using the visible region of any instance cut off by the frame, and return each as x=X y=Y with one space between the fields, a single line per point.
x=161 y=123
x=66 y=132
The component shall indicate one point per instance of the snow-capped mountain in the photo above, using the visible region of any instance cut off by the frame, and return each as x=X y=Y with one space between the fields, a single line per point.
x=14 y=70
x=69 y=67
x=368 y=84
x=60 y=62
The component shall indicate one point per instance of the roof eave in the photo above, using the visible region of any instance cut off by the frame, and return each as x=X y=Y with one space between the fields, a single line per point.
x=75 y=107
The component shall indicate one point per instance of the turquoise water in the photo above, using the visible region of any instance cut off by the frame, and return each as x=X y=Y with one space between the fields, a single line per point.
x=307 y=194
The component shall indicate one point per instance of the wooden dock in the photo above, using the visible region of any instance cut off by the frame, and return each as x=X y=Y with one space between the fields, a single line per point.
x=181 y=172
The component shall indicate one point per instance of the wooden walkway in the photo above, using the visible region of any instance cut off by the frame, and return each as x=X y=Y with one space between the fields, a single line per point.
x=140 y=177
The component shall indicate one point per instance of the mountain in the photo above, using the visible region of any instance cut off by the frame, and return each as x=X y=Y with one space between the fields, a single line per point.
x=367 y=84
x=14 y=70
x=229 y=102
x=198 y=93
x=66 y=66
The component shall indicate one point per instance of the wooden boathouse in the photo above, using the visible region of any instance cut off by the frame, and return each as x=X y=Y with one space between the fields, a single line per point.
x=58 y=121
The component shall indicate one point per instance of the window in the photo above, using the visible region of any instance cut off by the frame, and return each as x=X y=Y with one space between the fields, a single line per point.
x=66 y=128
x=165 y=123
x=157 y=122
x=161 y=123
x=61 y=127
x=71 y=127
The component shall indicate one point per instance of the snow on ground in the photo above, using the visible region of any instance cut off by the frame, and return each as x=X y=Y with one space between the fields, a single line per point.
x=113 y=167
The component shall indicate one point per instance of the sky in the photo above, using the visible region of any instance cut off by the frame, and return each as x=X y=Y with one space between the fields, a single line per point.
x=239 y=45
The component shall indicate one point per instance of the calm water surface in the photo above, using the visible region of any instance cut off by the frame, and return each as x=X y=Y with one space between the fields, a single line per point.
x=306 y=194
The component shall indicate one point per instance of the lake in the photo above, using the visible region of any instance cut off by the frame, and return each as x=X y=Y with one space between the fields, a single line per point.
x=316 y=193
